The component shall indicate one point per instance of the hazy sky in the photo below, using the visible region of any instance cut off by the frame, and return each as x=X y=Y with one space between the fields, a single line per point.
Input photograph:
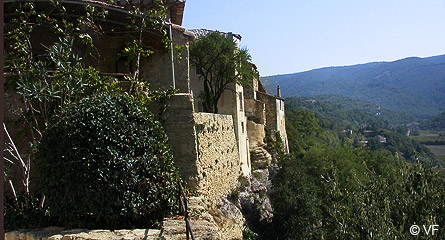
x=287 y=36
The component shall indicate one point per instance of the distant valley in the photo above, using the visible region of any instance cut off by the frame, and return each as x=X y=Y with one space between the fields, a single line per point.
x=415 y=86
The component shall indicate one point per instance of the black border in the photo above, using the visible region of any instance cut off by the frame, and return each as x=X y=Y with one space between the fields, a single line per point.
x=2 y=230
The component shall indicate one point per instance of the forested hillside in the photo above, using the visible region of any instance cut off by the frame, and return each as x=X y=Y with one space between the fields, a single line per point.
x=358 y=128
x=334 y=185
x=414 y=86
x=436 y=123
x=357 y=112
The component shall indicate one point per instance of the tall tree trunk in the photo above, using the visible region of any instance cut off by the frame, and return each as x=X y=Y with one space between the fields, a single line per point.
x=215 y=107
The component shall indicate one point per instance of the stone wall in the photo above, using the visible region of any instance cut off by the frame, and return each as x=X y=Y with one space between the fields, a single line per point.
x=218 y=166
x=271 y=109
x=204 y=146
x=256 y=134
x=250 y=91
x=232 y=103
x=275 y=115
x=178 y=122
x=255 y=111
x=281 y=122
x=157 y=69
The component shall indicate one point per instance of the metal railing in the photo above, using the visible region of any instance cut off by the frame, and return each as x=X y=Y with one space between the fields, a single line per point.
x=184 y=209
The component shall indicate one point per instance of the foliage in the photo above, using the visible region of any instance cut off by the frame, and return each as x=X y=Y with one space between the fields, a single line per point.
x=249 y=234
x=329 y=188
x=409 y=149
x=435 y=123
x=140 y=21
x=339 y=193
x=243 y=184
x=295 y=203
x=384 y=208
x=302 y=129
x=49 y=81
x=25 y=211
x=109 y=146
x=337 y=112
x=351 y=127
x=222 y=64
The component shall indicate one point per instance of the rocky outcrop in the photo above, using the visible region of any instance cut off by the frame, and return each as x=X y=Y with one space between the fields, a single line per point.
x=253 y=200
x=260 y=158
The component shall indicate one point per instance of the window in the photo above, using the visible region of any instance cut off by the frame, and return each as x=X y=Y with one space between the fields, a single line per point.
x=241 y=101
x=198 y=72
x=123 y=66
x=242 y=127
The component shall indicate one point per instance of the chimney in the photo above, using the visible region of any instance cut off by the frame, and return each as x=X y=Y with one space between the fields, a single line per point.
x=278 y=91
x=230 y=35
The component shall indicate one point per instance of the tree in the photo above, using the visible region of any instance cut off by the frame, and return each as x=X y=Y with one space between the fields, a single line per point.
x=328 y=191
x=45 y=75
x=222 y=64
x=106 y=145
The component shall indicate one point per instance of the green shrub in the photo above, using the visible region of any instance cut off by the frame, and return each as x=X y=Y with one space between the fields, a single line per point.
x=104 y=162
x=24 y=212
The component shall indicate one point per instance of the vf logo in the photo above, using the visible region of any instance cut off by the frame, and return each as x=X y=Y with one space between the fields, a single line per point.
x=426 y=229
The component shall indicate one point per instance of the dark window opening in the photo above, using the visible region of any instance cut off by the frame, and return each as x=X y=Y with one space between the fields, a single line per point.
x=198 y=72
x=241 y=101
x=123 y=65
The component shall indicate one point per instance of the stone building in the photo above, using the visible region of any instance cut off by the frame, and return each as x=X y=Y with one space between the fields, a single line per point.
x=211 y=150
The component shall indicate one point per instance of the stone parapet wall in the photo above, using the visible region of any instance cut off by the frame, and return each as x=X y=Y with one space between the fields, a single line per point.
x=218 y=166
x=204 y=146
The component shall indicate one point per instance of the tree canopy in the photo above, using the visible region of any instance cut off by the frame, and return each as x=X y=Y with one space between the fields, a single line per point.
x=329 y=187
x=221 y=64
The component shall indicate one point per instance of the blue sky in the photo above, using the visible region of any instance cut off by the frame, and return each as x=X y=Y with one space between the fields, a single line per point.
x=287 y=36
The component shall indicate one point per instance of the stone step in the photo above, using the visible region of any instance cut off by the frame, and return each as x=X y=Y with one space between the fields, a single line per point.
x=56 y=233
x=202 y=223
x=174 y=229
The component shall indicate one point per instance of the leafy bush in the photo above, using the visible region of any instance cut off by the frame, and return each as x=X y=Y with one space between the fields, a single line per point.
x=315 y=199
x=104 y=162
x=384 y=209
x=24 y=212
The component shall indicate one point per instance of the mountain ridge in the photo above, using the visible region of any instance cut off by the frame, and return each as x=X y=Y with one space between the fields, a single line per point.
x=412 y=85
x=440 y=57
